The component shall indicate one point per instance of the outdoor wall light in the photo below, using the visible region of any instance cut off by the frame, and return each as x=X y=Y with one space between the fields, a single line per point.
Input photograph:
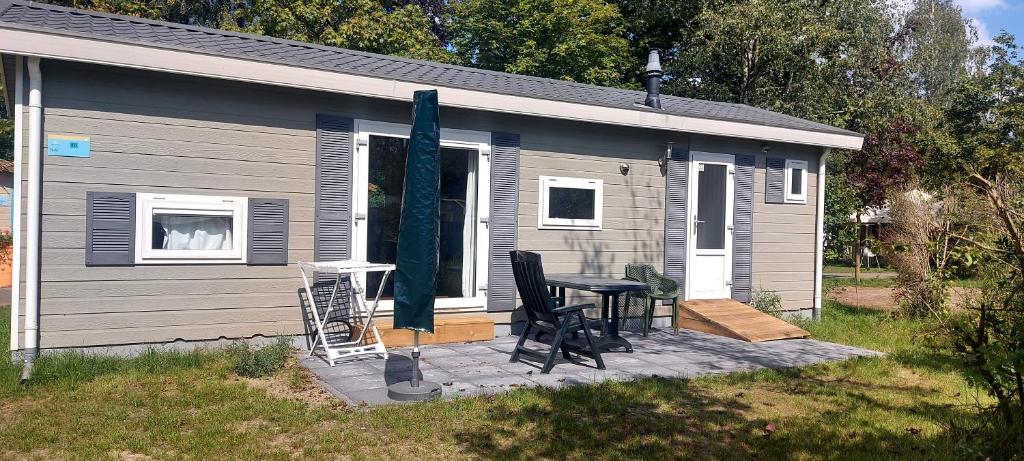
x=663 y=160
x=765 y=148
x=624 y=168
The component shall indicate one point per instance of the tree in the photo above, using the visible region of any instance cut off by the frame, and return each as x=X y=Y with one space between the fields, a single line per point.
x=357 y=24
x=985 y=117
x=940 y=51
x=800 y=57
x=410 y=28
x=656 y=24
x=6 y=128
x=575 y=40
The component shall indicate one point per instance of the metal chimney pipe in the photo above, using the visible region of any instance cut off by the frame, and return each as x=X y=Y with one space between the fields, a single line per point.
x=653 y=75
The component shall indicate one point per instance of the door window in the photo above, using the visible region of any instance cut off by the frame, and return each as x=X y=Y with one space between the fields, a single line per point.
x=711 y=204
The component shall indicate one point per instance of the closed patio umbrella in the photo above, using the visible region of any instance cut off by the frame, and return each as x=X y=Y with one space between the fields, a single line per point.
x=418 y=239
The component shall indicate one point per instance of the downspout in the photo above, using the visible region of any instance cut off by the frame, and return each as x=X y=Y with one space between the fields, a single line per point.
x=819 y=235
x=35 y=154
x=19 y=107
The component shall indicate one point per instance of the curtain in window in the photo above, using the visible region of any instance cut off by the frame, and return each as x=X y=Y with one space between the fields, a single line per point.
x=469 y=231
x=188 y=232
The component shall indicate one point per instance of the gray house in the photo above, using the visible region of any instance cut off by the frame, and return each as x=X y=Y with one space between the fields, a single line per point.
x=170 y=177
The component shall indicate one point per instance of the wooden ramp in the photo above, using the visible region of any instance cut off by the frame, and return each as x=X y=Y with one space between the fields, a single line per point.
x=733 y=319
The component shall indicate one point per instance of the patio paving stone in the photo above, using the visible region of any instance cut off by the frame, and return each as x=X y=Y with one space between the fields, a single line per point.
x=484 y=368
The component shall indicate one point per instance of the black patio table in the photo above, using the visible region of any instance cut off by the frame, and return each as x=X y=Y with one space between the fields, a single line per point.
x=609 y=289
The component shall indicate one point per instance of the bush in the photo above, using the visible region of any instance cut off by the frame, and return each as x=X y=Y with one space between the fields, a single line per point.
x=257 y=362
x=767 y=301
x=919 y=248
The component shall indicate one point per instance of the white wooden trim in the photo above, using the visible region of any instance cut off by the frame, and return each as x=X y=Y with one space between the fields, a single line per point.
x=109 y=52
x=146 y=204
x=544 y=202
x=802 y=196
x=464 y=139
x=819 y=234
x=729 y=161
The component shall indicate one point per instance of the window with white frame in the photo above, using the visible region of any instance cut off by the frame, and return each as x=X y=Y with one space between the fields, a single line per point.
x=173 y=228
x=570 y=203
x=379 y=182
x=796 y=181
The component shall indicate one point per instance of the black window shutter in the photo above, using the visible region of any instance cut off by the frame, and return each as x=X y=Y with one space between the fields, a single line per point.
x=333 y=232
x=268 y=231
x=110 y=229
x=676 y=189
x=774 y=180
x=743 y=228
x=501 y=294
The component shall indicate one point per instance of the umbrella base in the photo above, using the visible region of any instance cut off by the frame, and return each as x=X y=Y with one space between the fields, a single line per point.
x=404 y=392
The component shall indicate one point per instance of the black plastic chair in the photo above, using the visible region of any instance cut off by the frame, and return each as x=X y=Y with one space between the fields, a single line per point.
x=543 y=316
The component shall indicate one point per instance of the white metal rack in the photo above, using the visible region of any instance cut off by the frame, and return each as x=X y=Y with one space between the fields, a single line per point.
x=340 y=349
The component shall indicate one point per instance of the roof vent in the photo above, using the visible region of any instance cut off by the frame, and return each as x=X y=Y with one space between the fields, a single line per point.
x=653 y=75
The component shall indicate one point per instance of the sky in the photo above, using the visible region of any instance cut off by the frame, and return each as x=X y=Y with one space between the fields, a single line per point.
x=990 y=16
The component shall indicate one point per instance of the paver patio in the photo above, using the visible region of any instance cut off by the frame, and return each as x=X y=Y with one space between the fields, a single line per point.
x=484 y=368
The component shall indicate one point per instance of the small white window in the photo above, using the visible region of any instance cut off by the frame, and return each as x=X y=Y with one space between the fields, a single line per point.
x=796 y=181
x=190 y=229
x=570 y=203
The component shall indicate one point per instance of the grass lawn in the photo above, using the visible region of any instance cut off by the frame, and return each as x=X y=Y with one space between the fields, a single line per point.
x=838 y=269
x=185 y=406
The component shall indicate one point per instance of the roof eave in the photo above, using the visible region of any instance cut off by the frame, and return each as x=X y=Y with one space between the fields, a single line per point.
x=80 y=48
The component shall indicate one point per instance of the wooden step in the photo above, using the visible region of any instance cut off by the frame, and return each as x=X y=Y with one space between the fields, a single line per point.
x=446 y=331
x=733 y=319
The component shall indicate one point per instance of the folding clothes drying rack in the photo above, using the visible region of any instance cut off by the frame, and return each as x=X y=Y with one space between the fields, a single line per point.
x=338 y=269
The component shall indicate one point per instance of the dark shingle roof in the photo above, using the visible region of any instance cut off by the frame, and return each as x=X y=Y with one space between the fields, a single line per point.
x=33 y=16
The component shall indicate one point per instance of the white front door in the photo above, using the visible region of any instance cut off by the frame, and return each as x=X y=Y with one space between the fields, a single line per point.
x=709 y=264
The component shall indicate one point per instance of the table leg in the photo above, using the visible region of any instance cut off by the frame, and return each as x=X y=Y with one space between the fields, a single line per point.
x=604 y=315
x=612 y=339
x=615 y=316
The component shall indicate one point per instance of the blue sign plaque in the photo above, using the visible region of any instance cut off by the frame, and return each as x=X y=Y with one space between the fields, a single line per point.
x=68 y=146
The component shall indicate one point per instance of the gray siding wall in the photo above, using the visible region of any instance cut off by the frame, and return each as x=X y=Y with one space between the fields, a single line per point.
x=20 y=191
x=634 y=204
x=175 y=134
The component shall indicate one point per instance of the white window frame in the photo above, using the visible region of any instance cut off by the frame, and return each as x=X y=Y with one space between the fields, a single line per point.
x=547 y=182
x=479 y=141
x=203 y=205
x=790 y=196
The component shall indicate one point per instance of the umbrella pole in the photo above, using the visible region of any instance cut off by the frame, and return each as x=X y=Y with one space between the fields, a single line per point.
x=415 y=381
x=414 y=389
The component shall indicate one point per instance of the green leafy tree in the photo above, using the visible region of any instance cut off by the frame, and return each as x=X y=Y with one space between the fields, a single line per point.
x=656 y=24
x=6 y=128
x=985 y=117
x=576 y=40
x=940 y=50
x=801 y=57
x=357 y=24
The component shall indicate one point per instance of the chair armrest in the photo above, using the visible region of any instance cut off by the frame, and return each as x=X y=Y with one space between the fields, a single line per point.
x=573 y=308
x=668 y=286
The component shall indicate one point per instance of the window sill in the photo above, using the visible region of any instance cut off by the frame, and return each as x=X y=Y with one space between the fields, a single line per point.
x=568 y=227
x=178 y=262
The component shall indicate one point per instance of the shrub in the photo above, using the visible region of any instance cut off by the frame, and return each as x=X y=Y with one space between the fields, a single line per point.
x=920 y=249
x=767 y=301
x=257 y=362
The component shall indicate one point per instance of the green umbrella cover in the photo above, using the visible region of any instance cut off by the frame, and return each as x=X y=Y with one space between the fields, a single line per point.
x=418 y=232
